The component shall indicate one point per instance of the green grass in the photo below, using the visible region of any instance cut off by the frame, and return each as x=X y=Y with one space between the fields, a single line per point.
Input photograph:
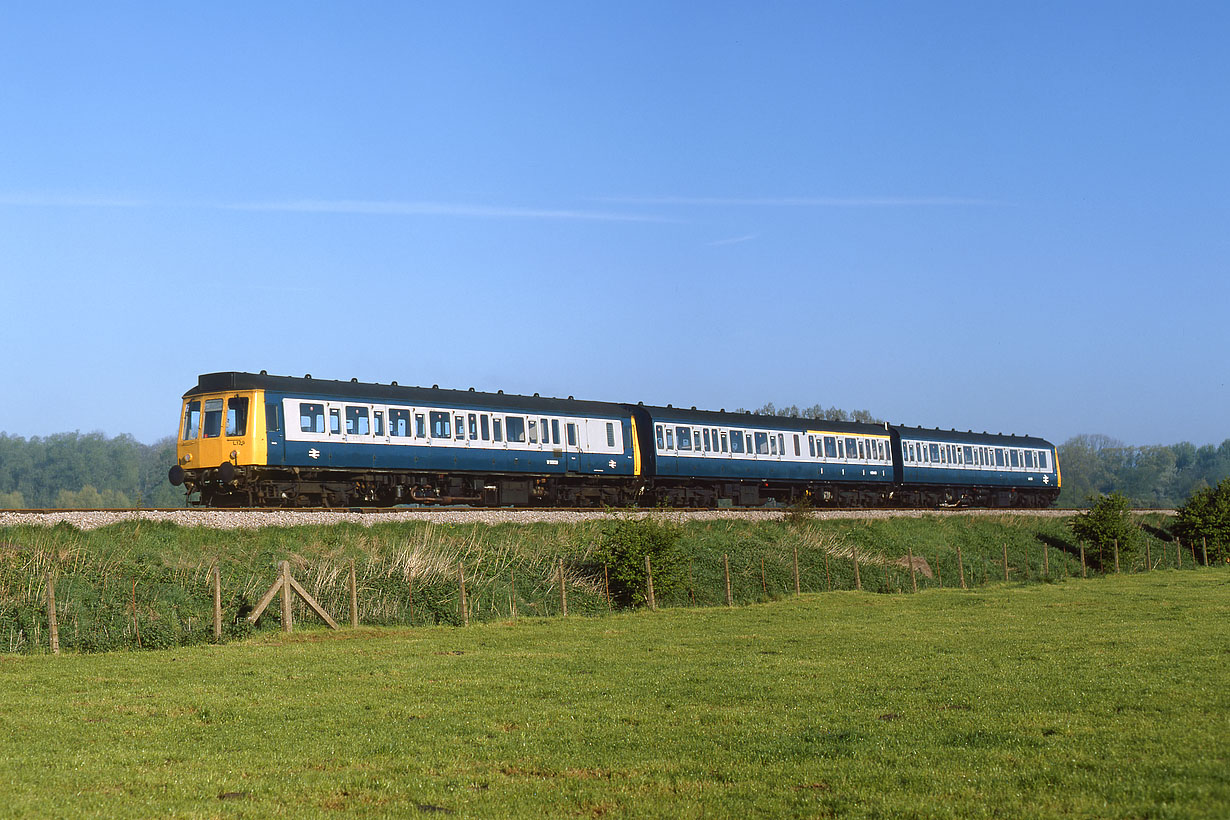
x=1099 y=698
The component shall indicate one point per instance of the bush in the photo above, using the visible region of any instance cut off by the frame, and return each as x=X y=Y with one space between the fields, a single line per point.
x=1109 y=520
x=623 y=545
x=1206 y=515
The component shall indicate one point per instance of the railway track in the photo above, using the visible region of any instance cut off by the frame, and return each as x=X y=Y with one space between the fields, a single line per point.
x=238 y=518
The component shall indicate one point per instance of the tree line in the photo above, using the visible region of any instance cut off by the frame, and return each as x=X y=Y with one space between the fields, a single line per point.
x=85 y=471
x=75 y=470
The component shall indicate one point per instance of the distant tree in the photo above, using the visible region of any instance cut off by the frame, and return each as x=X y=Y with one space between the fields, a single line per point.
x=1108 y=520
x=12 y=501
x=1206 y=515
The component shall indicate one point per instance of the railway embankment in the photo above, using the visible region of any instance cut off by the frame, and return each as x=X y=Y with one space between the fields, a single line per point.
x=142 y=580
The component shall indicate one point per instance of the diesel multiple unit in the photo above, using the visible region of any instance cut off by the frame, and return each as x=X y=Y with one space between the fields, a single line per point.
x=257 y=440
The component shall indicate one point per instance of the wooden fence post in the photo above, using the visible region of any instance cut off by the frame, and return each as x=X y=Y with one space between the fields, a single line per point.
x=461 y=583
x=1084 y=571
x=939 y=578
x=1046 y=560
x=606 y=585
x=1148 y=557
x=909 y=553
x=796 y=570
x=286 y=593
x=1005 y=545
x=691 y=586
x=217 y=604
x=730 y=601
x=563 y=591
x=52 y=626
x=961 y=566
x=763 y=586
x=1204 y=548
x=1178 y=553
x=1192 y=544
x=354 y=598
x=1116 y=556
x=653 y=605
x=512 y=595
x=828 y=578
x=858 y=582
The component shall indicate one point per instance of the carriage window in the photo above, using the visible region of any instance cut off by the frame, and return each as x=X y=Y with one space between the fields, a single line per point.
x=706 y=438
x=841 y=448
x=862 y=452
x=572 y=434
x=736 y=441
x=378 y=422
x=670 y=438
x=357 y=421
x=1016 y=458
x=440 y=427
x=460 y=429
x=473 y=426
x=533 y=432
x=516 y=428
x=399 y=422
x=772 y=445
x=684 y=436
x=237 y=416
x=762 y=444
x=1042 y=460
x=749 y=443
x=420 y=425
x=661 y=443
x=311 y=418
x=496 y=433
x=935 y=453
x=555 y=430
x=781 y=443
x=830 y=447
x=213 y=418
x=610 y=434
x=811 y=446
x=485 y=424
x=999 y=457
x=192 y=420
x=724 y=442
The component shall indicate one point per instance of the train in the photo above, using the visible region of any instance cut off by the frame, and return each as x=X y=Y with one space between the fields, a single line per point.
x=260 y=440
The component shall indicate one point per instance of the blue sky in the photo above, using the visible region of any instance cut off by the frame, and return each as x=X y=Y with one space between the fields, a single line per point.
x=999 y=216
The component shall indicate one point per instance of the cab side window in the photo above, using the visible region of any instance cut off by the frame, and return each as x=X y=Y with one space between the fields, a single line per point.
x=237 y=416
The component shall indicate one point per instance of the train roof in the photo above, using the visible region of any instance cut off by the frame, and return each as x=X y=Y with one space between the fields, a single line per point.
x=724 y=419
x=970 y=437
x=399 y=394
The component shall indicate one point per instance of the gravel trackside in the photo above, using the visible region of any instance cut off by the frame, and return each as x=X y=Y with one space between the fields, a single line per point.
x=246 y=519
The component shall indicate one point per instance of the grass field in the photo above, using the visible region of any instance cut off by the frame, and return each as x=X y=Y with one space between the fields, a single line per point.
x=1099 y=698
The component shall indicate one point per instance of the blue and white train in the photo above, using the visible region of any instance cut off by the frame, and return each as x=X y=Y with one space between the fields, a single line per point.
x=259 y=441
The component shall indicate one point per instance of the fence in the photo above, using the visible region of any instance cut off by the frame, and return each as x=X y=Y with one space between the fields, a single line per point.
x=372 y=595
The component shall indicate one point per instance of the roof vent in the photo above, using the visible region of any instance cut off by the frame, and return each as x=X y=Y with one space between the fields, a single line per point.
x=693 y=406
x=723 y=410
x=671 y=406
x=353 y=380
x=501 y=392
x=570 y=398
x=394 y=382
x=307 y=375
x=264 y=372
x=471 y=389
x=435 y=387
x=640 y=404
x=535 y=395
